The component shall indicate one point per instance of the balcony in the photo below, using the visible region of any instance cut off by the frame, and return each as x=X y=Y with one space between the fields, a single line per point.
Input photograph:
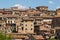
x=38 y=23
x=1 y=22
x=44 y=28
x=48 y=22
x=11 y=22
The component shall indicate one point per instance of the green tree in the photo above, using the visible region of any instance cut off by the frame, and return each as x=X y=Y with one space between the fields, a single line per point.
x=52 y=38
x=3 y=36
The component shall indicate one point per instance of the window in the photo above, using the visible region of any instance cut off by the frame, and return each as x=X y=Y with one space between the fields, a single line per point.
x=14 y=21
x=9 y=18
x=8 y=30
x=25 y=21
x=8 y=21
x=0 y=25
x=53 y=13
x=22 y=24
x=11 y=21
x=52 y=32
x=26 y=29
x=14 y=28
x=16 y=13
x=31 y=28
x=31 y=24
x=26 y=25
x=31 y=21
x=0 y=18
x=22 y=28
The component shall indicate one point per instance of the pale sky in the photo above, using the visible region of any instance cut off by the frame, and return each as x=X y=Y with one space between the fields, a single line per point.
x=52 y=4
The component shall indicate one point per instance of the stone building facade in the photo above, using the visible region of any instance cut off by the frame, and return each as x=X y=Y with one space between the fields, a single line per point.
x=35 y=23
